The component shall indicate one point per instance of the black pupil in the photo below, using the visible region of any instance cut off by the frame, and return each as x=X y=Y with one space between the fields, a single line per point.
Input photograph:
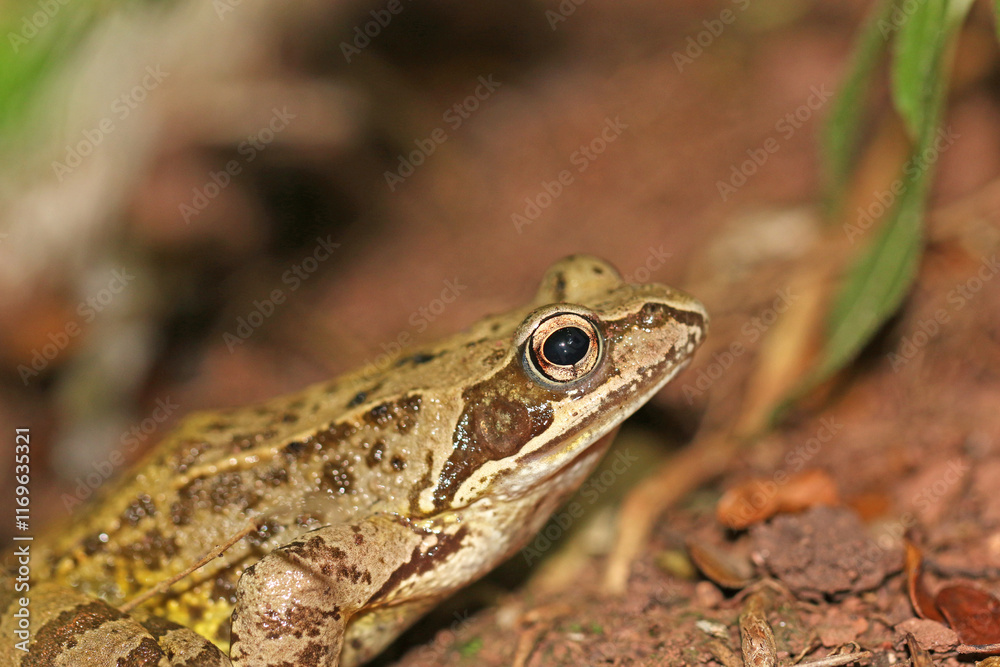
x=566 y=346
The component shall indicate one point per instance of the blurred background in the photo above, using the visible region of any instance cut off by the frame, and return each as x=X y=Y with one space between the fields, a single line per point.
x=205 y=204
x=168 y=165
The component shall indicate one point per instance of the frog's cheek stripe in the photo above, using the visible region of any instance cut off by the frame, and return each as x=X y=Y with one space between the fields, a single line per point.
x=500 y=415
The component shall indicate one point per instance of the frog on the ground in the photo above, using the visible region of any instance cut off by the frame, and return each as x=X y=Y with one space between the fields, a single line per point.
x=373 y=495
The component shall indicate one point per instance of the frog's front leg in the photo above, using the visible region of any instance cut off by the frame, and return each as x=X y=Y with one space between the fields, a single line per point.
x=293 y=606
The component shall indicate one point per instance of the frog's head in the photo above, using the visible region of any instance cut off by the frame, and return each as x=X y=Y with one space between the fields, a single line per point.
x=592 y=350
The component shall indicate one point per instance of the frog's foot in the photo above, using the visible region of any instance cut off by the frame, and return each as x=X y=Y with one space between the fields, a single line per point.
x=70 y=628
x=294 y=605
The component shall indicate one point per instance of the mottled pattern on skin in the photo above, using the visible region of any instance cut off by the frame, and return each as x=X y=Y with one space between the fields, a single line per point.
x=298 y=597
x=500 y=415
x=74 y=630
x=372 y=495
x=181 y=645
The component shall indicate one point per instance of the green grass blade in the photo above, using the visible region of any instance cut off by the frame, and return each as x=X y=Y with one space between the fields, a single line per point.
x=29 y=55
x=841 y=135
x=918 y=48
x=878 y=282
x=923 y=35
x=38 y=40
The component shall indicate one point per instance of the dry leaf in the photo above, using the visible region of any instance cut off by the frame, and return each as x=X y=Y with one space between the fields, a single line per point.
x=973 y=613
x=725 y=569
x=760 y=499
x=676 y=563
x=920 y=598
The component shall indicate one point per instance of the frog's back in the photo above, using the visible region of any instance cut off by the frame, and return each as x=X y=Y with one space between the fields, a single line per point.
x=364 y=443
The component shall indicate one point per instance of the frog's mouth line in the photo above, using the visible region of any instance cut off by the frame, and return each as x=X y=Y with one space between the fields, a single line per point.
x=547 y=448
x=604 y=441
x=601 y=442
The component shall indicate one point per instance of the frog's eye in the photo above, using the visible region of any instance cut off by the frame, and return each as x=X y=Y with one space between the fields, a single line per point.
x=564 y=348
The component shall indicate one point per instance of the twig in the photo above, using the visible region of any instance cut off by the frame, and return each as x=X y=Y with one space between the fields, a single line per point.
x=167 y=583
x=834 y=660
x=723 y=654
x=918 y=656
x=759 y=646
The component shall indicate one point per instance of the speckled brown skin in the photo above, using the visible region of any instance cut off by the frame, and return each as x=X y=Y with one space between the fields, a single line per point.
x=77 y=630
x=375 y=495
